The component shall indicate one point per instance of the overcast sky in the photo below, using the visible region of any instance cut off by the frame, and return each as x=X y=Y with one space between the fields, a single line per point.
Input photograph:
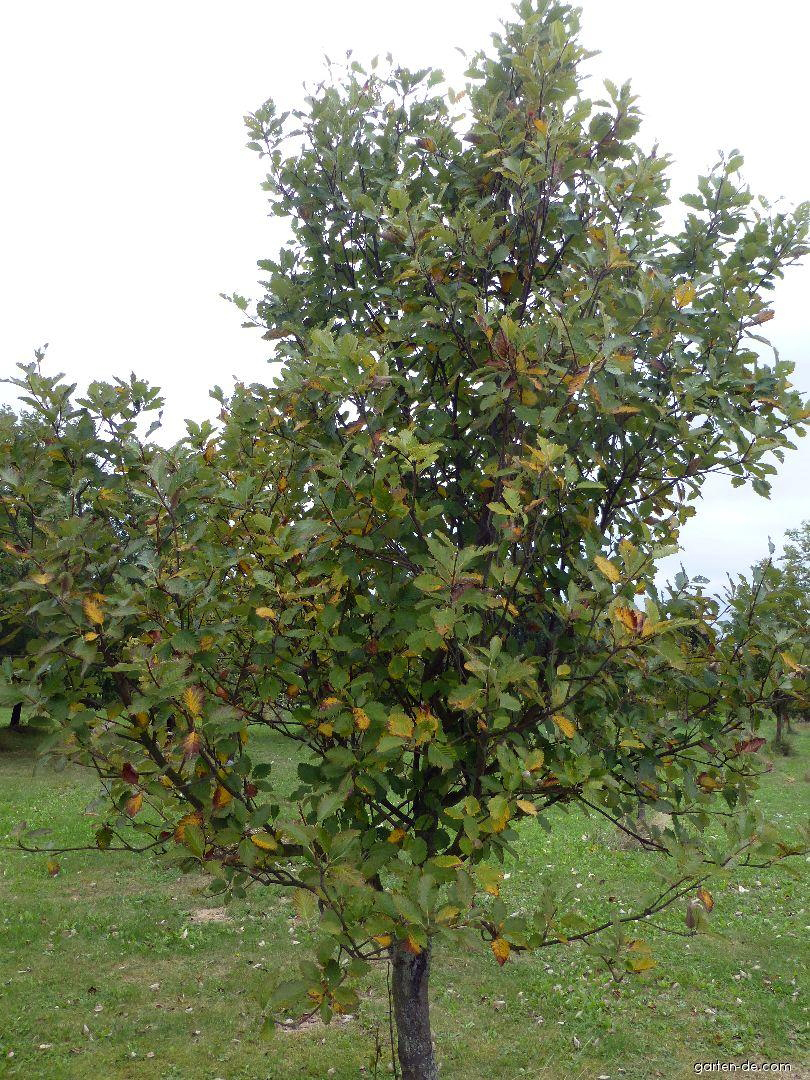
x=128 y=201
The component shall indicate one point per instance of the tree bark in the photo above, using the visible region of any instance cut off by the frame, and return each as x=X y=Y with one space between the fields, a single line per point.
x=412 y=1014
x=16 y=717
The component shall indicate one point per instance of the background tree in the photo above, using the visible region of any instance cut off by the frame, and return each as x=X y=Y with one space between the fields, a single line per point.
x=20 y=435
x=419 y=557
x=795 y=566
x=780 y=654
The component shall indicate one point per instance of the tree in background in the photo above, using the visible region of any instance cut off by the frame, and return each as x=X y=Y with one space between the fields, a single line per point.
x=795 y=566
x=425 y=556
x=780 y=655
x=16 y=431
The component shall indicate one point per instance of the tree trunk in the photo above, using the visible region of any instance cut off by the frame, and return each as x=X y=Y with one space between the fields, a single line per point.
x=412 y=1014
x=779 y=724
x=16 y=717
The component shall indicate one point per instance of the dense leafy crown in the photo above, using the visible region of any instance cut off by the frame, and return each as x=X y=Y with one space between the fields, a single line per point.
x=425 y=556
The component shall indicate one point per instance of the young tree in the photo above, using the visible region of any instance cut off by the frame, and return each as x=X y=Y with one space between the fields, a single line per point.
x=419 y=556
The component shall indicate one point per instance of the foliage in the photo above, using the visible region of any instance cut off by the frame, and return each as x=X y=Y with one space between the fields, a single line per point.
x=420 y=554
x=778 y=655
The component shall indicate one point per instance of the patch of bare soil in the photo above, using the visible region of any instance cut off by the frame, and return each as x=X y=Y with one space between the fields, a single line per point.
x=209 y=915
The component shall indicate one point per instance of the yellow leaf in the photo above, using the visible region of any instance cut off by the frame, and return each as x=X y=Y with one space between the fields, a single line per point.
x=527 y=807
x=265 y=613
x=263 y=841
x=133 y=804
x=500 y=950
x=566 y=726
x=282 y=484
x=400 y=725
x=396 y=836
x=634 y=621
x=90 y=636
x=705 y=898
x=209 y=452
x=499 y=813
x=383 y=939
x=361 y=719
x=790 y=662
x=412 y=945
x=206 y=641
x=607 y=568
x=193 y=700
x=709 y=782
x=42 y=579
x=326 y=729
x=52 y=866
x=685 y=293
x=91 y=606
x=640 y=958
x=541 y=125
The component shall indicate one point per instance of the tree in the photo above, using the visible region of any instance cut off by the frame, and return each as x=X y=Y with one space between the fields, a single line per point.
x=796 y=576
x=419 y=557
x=779 y=654
x=22 y=430
x=796 y=559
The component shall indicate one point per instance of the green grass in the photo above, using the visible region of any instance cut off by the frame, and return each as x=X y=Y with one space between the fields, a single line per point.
x=105 y=964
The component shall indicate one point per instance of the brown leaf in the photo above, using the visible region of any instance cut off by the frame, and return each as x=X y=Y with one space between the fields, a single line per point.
x=576 y=381
x=192 y=745
x=750 y=745
x=222 y=797
x=129 y=774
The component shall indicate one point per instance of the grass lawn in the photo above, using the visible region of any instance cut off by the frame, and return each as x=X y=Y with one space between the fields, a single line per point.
x=118 y=967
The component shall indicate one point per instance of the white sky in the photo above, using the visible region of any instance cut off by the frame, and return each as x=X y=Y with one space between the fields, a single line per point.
x=128 y=201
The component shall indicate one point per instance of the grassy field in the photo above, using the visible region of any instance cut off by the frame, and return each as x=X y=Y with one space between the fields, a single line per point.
x=118 y=968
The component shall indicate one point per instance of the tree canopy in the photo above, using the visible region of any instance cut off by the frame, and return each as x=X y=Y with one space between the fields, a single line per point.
x=425 y=555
